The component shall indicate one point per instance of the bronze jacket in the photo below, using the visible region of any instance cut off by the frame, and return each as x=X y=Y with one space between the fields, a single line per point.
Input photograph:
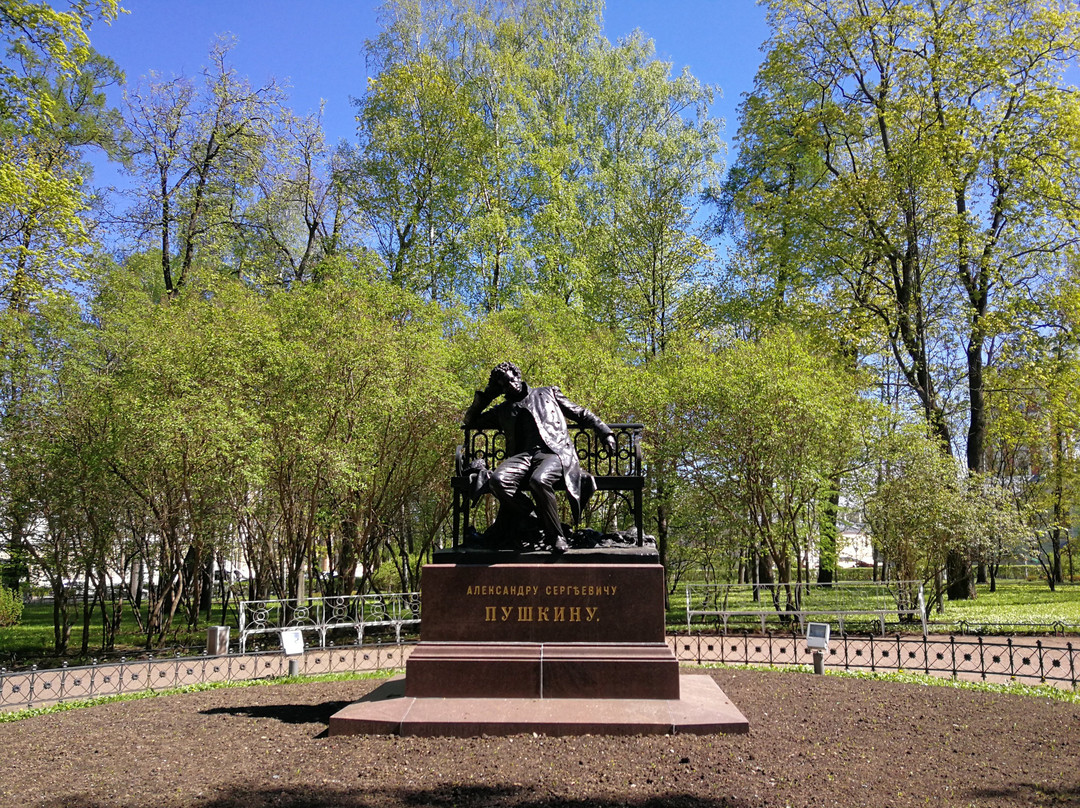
x=549 y=409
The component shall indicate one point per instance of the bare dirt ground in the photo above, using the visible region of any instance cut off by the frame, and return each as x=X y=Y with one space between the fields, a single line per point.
x=814 y=741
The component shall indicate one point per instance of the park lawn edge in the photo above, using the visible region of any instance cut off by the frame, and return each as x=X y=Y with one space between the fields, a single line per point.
x=925 y=680
x=900 y=677
x=64 y=706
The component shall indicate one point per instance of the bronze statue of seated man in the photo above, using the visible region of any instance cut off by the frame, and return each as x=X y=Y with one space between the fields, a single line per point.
x=539 y=453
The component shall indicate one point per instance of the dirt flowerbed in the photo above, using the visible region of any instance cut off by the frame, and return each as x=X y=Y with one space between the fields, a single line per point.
x=814 y=741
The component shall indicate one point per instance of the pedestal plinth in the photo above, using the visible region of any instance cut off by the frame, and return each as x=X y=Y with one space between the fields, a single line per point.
x=514 y=647
x=543 y=631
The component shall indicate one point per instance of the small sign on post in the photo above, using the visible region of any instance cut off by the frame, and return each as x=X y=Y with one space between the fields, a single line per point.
x=817 y=641
x=217 y=640
x=292 y=642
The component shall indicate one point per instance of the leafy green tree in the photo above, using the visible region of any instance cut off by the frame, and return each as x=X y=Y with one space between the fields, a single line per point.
x=920 y=506
x=195 y=149
x=510 y=147
x=11 y=607
x=413 y=178
x=300 y=219
x=769 y=423
x=1033 y=431
x=50 y=106
x=920 y=156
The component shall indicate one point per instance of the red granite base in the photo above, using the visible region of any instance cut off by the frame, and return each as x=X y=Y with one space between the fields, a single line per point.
x=543 y=670
x=701 y=709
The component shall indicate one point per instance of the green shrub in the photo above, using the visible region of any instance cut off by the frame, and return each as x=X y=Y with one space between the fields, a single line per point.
x=11 y=606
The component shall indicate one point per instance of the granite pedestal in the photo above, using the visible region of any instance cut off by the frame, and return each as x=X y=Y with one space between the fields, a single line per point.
x=567 y=644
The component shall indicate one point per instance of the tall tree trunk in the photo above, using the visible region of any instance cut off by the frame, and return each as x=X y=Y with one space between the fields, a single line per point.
x=206 y=602
x=88 y=610
x=15 y=566
x=1060 y=511
x=830 y=533
x=662 y=525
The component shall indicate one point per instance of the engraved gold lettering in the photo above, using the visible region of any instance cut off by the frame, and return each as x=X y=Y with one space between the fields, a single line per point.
x=506 y=612
x=590 y=614
x=489 y=614
x=542 y=614
x=560 y=614
x=575 y=614
x=525 y=614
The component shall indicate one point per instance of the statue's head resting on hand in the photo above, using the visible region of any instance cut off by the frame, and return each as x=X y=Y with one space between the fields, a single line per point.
x=506 y=380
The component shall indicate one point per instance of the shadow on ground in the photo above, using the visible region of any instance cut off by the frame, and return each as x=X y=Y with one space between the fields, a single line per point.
x=1027 y=794
x=285 y=713
x=443 y=797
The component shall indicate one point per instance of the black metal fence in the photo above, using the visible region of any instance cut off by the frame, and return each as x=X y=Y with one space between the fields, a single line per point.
x=1050 y=660
x=1041 y=661
x=1058 y=628
x=40 y=688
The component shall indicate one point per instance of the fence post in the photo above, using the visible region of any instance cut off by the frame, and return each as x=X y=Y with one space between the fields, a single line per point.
x=1012 y=670
x=925 y=655
x=688 y=609
x=872 y=668
x=922 y=610
x=241 y=620
x=899 y=654
x=952 y=650
x=1042 y=675
x=982 y=660
x=845 y=640
x=1072 y=665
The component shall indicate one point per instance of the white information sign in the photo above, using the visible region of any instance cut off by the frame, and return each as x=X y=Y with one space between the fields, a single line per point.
x=292 y=640
x=817 y=636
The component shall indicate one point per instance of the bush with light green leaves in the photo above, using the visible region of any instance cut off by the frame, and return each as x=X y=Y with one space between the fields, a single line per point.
x=11 y=607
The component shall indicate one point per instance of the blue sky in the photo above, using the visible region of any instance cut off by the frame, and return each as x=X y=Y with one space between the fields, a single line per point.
x=317 y=45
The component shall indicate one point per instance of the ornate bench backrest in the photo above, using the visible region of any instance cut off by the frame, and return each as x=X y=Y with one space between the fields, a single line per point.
x=490 y=446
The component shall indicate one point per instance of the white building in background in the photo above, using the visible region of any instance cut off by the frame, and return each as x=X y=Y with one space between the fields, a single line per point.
x=855 y=549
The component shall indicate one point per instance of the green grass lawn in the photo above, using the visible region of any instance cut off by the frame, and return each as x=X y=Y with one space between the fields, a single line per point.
x=32 y=639
x=1012 y=609
x=1016 y=607
x=1014 y=604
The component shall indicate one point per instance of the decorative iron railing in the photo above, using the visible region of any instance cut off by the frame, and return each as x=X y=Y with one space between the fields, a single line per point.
x=319 y=616
x=41 y=688
x=1045 y=661
x=783 y=605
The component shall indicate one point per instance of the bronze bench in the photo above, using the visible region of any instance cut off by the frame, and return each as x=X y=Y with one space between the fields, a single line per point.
x=619 y=471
